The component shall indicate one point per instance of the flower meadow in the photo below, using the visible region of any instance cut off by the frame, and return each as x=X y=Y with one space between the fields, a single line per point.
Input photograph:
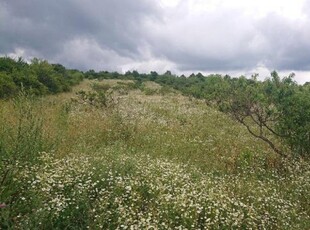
x=149 y=161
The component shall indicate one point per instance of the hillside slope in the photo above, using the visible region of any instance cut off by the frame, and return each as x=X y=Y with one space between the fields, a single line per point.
x=115 y=157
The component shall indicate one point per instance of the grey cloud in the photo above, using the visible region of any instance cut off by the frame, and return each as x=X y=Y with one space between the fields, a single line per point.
x=230 y=40
x=216 y=41
x=109 y=34
x=287 y=41
x=46 y=26
x=88 y=54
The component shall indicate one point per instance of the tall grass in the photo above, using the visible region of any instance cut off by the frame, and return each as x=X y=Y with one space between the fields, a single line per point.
x=150 y=161
x=21 y=142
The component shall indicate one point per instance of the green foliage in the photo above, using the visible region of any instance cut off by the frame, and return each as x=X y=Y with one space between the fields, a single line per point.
x=38 y=78
x=294 y=122
x=30 y=84
x=7 y=86
x=9 y=65
x=274 y=111
x=48 y=76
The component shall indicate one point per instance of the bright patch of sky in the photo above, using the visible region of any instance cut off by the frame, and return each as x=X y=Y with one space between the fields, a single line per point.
x=254 y=8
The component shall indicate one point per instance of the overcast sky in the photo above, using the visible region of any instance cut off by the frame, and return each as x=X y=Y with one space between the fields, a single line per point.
x=236 y=37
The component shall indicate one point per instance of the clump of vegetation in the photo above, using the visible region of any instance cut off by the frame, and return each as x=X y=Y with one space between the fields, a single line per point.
x=274 y=111
x=99 y=99
x=101 y=96
x=38 y=78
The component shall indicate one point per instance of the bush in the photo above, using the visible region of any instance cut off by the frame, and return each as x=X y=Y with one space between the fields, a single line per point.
x=7 y=86
x=99 y=99
x=294 y=124
x=38 y=78
x=274 y=111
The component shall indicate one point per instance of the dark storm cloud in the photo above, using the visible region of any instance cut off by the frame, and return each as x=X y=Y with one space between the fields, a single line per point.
x=46 y=26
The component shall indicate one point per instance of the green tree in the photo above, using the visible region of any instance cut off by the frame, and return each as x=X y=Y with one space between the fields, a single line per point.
x=47 y=76
x=153 y=75
x=9 y=65
x=275 y=111
x=294 y=122
x=7 y=86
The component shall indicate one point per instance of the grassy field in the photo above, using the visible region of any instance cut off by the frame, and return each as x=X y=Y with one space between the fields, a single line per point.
x=146 y=159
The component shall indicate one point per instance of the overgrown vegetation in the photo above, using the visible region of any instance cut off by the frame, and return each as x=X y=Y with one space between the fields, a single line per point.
x=162 y=161
x=129 y=151
x=274 y=111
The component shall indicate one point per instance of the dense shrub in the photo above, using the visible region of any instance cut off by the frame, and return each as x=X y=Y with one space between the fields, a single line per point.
x=38 y=78
x=7 y=86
